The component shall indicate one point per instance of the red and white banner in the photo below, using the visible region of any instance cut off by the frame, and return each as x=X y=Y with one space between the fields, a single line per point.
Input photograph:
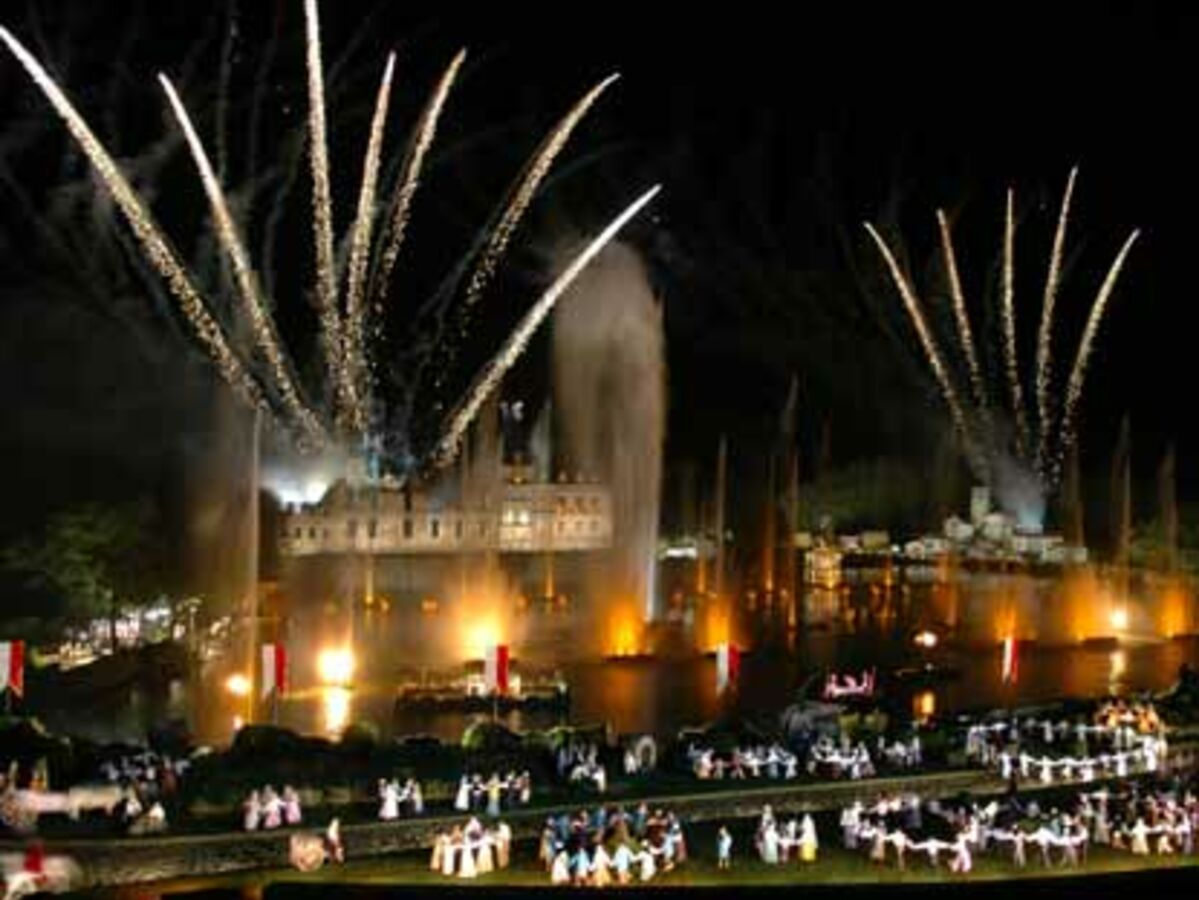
x=495 y=669
x=12 y=667
x=728 y=666
x=1011 y=661
x=274 y=669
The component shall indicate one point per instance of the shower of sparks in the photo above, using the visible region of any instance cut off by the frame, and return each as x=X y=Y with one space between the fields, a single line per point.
x=265 y=377
x=1044 y=373
x=247 y=285
x=426 y=131
x=1008 y=311
x=533 y=175
x=1052 y=443
x=931 y=351
x=322 y=218
x=965 y=336
x=354 y=337
x=491 y=375
x=1079 y=373
x=155 y=246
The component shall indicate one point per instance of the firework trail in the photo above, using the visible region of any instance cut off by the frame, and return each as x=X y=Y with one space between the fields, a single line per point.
x=965 y=335
x=155 y=246
x=1008 y=310
x=929 y=344
x=322 y=217
x=487 y=380
x=532 y=177
x=353 y=350
x=247 y=285
x=426 y=131
x=1045 y=332
x=1079 y=373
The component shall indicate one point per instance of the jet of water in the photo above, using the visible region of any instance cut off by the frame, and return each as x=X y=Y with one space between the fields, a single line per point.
x=491 y=375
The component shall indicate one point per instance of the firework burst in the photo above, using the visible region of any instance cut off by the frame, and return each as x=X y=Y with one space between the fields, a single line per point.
x=266 y=379
x=986 y=447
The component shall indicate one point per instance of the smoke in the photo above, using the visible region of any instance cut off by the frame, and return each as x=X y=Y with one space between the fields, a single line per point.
x=1019 y=491
x=610 y=394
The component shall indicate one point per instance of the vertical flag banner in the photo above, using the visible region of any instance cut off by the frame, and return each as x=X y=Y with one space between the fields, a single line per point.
x=1011 y=662
x=495 y=668
x=274 y=669
x=12 y=667
x=728 y=666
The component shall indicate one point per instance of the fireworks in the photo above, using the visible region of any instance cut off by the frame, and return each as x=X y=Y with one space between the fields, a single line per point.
x=494 y=371
x=1078 y=373
x=1045 y=332
x=1051 y=443
x=543 y=159
x=275 y=390
x=931 y=350
x=1008 y=310
x=360 y=248
x=149 y=236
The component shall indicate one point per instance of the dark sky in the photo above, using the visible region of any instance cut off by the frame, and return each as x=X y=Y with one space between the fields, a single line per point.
x=775 y=134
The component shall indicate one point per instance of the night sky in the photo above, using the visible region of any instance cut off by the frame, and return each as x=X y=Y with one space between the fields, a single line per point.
x=774 y=135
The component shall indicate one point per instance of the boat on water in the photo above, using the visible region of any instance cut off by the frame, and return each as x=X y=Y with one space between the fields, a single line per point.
x=468 y=691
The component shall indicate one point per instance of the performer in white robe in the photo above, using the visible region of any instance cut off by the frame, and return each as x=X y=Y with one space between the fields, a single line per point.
x=560 y=868
x=462 y=799
x=439 y=843
x=962 y=862
x=486 y=854
x=770 y=845
x=503 y=845
x=648 y=868
x=601 y=863
x=466 y=862
x=808 y=842
x=389 y=808
x=449 y=853
x=292 y=813
x=1140 y=838
x=622 y=862
x=253 y=812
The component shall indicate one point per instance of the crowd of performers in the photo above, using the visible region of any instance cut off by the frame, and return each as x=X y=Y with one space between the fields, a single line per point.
x=1120 y=740
x=1133 y=818
x=493 y=795
x=471 y=850
x=825 y=758
x=775 y=842
x=266 y=809
x=395 y=800
x=134 y=790
x=611 y=846
x=579 y=762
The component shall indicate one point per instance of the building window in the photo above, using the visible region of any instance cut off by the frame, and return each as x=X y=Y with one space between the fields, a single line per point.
x=594 y=526
x=372 y=528
x=435 y=528
x=458 y=529
x=352 y=528
x=407 y=528
x=299 y=532
x=312 y=534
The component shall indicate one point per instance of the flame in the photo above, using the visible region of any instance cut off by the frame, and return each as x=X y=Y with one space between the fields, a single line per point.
x=481 y=634
x=624 y=630
x=336 y=705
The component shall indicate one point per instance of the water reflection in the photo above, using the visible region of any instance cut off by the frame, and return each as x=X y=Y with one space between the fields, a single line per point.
x=866 y=623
